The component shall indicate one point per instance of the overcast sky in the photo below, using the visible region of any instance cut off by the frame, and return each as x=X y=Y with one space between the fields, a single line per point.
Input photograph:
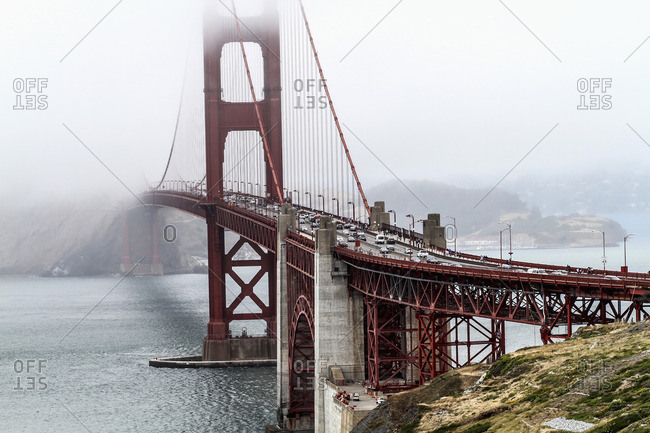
x=457 y=92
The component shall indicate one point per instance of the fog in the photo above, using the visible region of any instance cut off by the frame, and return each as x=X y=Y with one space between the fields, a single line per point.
x=456 y=92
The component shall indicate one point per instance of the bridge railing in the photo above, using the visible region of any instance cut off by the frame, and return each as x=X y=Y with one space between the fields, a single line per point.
x=186 y=186
x=417 y=238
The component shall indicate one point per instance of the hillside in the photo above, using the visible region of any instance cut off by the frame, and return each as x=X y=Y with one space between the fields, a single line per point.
x=598 y=382
x=478 y=212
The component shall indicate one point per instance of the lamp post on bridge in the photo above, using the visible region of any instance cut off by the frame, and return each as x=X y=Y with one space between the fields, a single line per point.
x=411 y=230
x=394 y=219
x=455 y=230
x=337 y=205
x=353 y=214
x=604 y=259
x=309 y=194
x=297 y=197
x=501 y=247
x=510 y=242
x=321 y=196
x=625 y=250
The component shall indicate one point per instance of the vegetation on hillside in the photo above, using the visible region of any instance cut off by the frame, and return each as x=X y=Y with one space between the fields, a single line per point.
x=600 y=376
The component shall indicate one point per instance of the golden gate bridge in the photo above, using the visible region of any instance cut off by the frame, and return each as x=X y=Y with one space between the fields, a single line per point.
x=259 y=151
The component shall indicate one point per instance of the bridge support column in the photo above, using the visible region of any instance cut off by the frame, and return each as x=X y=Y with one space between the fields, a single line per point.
x=433 y=233
x=219 y=345
x=215 y=343
x=338 y=323
x=286 y=219
x=156 y=265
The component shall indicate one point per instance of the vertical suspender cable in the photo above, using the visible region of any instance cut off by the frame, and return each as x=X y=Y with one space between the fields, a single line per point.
x=329 y=99
x=257 y=108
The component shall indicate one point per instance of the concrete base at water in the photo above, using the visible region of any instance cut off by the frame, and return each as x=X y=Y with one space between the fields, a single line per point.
x=232 y=349
x=197 y=362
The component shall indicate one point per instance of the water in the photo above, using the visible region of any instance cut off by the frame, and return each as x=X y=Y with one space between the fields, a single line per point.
x=98 y=378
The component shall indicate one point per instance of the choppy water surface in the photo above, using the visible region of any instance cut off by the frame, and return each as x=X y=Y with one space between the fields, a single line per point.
x=98 y=379
x=95 y=376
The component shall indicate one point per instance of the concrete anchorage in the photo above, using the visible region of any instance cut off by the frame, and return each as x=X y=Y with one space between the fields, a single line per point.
x=338 y=323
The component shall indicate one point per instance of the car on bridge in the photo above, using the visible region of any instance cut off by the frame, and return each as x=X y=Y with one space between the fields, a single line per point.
x=536 y=271
x=408 y=251
x=361 y=236
x=423 y=254
x=380 y=239
x=351 y=238
x=390 y=240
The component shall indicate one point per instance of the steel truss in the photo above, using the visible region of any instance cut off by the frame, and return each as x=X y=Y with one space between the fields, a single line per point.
x=407 y=348
x=300 y=299
x=266 y=264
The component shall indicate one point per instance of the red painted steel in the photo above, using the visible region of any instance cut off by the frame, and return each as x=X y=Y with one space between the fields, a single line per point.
x=257 y=108
x=300 y=300
x=224 y=117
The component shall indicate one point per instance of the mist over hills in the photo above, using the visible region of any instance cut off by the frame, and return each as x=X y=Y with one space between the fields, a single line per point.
x=596 y=192
x=84 y=237
x=478 y=212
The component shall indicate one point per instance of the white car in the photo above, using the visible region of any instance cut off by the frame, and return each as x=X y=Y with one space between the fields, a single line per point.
x=355 y=396
x=423 y=254
x=380 y=400
x=536 y=271
x=408 y=251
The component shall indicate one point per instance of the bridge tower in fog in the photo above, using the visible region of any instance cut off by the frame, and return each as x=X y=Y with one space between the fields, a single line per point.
x=223 y=118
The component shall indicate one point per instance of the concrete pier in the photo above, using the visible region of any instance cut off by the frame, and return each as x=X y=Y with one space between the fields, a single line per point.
x=338 y=324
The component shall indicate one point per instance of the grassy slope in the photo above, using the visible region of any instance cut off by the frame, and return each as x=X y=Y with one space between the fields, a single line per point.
x=601 y=375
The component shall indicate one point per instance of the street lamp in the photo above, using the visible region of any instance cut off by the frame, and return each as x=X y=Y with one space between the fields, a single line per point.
x=455 y=231
x=604 y=256
x=321 y=196
x=501 y=247
x=394 y=219
x=510 y=242
x=337 y=206
x=309 y=194
x=354 y=217
x=411 y=234
x=297 y=197
x=625 y=250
